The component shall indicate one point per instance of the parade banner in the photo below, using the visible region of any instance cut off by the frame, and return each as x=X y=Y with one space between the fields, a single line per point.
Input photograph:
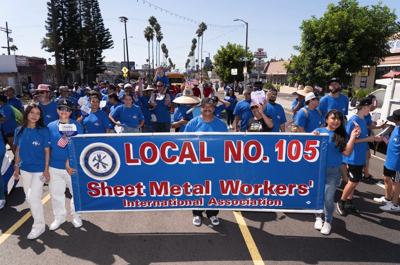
x=178 y=171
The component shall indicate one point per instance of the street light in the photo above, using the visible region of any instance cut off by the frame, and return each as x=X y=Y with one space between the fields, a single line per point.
x=245 y=62
x=124 y=19
x=123 y=42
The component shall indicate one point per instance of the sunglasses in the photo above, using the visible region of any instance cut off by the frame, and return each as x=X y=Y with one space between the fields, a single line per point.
x=65 y=109
x=160 y=86
x=41 y=92
x=315 y=99
x=254 y=107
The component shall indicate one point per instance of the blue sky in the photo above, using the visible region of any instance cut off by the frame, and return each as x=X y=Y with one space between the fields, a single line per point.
x=273 y=25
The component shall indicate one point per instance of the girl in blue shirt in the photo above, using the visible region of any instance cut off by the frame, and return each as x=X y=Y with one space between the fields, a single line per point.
x=130 y=116
x=337 y=147
x=32 y=158
x=97 y=121
x=231 y=98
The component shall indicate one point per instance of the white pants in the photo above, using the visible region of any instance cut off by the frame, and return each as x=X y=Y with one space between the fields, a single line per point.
x=33 y=188
x=58 y=179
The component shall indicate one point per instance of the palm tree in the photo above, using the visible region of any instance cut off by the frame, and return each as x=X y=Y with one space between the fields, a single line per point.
x=198 y=32
x=159 y=38
x=203 y=28
x=149 y=35
x=153 y=22
x=186 y=66
x=14 y=48
x=157 y=29
x=163 y=49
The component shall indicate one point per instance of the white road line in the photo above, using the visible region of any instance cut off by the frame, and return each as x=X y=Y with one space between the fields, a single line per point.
x=378 y=157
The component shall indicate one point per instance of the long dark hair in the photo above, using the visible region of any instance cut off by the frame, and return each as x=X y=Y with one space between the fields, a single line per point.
x=340 y=135
x=233 y=90
x=24 y=122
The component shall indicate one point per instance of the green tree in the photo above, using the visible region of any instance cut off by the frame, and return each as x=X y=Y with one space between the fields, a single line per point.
x=227 y=58
x=346 y=38
x=13 y=48
x=203 y=28
x=153 y=23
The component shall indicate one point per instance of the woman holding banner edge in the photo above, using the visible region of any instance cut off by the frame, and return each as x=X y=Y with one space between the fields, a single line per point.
x=337 y=147
x=32 y=159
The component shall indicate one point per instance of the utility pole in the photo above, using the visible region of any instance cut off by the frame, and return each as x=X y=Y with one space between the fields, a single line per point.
x=7 y=31
x=124 y=19
x=55 y=44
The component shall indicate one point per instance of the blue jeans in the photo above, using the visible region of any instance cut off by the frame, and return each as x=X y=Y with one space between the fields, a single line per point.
x=1 y=180
x=162 y=127
x=130 y=130
x=148 y=129
x=332 y=181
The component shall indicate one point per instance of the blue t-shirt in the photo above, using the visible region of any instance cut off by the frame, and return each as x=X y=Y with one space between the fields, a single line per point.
x=108 y=104
x=135 y=101
x=161 y=111
x=294 y=104
x=2 y=144
x=58 y=155
x=16 y=103
x=179 y=114
x=243 y=110
x=218 y=110
x=49 y=112
x=311 y=123
x=359 y=155
x=113 y=107
x=368 y=121
x=393 y=151
x=197 y=124
x=340 y=103
x=129 y=117
x=8 y=113
x=163 y=79
x=97 y=122
x=334 y=155
x=232 y=101
x=146 y=110
x=276 y=112
x=32 y=143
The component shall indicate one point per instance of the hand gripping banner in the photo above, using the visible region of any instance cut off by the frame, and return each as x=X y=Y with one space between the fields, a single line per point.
x=226 y=171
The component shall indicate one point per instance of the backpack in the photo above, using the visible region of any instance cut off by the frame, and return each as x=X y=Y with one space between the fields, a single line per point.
x=17 y=115
x=294 y=128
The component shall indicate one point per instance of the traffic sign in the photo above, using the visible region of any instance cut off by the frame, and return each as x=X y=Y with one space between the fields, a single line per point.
x=125 y=70
x=244 y=59
x=125 y=75
x=260 y=55
x=245 y=70
x=233 y=71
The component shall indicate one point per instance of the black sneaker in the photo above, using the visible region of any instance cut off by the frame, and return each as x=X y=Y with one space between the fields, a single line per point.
x=369 y=180
x=340 y=209
x=351 y=209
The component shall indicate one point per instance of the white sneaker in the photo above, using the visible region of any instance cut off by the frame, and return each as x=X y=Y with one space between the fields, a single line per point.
x=326 y=229
x=381 y=200
x=2 y=203
x=318 y=223
x=231 y=126
x=228 y=127
x=77 y=222
x=214 y=220
x=35 y=233
x=390 y=208
x=56 y=224
x=197 y=220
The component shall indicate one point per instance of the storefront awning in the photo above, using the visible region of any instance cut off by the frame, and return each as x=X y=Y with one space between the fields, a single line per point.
x=31 y=69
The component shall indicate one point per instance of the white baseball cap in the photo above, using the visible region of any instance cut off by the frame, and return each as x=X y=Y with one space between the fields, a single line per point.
x=127 y=85
x=310 y=96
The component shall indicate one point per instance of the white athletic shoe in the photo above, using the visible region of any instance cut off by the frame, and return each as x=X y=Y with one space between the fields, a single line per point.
x=77 y=222
x=390 y=208
x=197 y=220
x=326 y=229
x=56 y=224
x=228 y=127
x=381 y=200
x=318 y=223
x=35 y=233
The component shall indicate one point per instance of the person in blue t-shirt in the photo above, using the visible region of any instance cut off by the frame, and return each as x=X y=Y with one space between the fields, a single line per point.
x=275 y=111
x=357 y=159
x=12 y=100
x=2 y=153
x=220 y=108
x=97 y=121
x=231 y=98
x=180 y=118
x=206 y=122
x=161 y=102
x=110 y=90
x=391 y=169
x=7 y=120
x=32 y=158
x=130 y=117
x=242 y=112
x=49 y=108
x=299 y=102
x=334 y=100
x=160 y=76
x=60 y=170
x=309 y=118
x=64 y=94
x=144 y=97
x=337 y=148
x=114 y=101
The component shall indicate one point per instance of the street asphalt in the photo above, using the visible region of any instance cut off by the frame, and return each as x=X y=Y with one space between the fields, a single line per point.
x=169 y=237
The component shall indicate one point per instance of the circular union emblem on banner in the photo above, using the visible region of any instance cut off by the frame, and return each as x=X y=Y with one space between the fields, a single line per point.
x=100 y=161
